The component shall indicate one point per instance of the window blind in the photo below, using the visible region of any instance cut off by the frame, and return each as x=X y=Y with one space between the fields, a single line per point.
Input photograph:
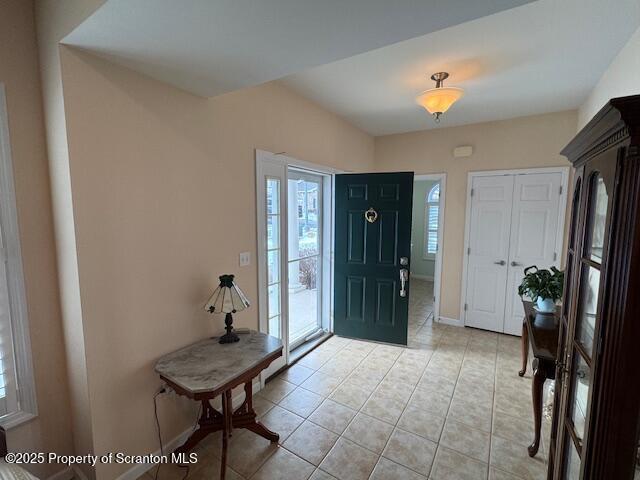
x=432 y=229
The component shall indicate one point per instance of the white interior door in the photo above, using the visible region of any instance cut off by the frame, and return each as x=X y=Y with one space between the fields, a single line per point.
x=534 y=230
x=490 y=228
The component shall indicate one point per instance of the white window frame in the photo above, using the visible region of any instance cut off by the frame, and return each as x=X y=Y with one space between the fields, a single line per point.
x=20 y=398
x=428 y=206
x=268 y=167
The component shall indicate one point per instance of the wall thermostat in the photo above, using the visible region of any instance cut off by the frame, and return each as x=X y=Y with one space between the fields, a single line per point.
x=464 y=151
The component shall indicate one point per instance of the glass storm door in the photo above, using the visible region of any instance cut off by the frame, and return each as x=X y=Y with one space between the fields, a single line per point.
x=372 y=250
x=581 y=318
x=294 y=257
x=304 y=231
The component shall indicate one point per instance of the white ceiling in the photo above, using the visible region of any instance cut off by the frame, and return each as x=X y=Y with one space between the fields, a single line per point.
x=366 y=60
x=209 y=47
x=541 y=57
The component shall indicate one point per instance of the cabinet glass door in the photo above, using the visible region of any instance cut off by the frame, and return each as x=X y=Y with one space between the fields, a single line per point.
x=567 y=300
x=566 y=304
x=586 y=263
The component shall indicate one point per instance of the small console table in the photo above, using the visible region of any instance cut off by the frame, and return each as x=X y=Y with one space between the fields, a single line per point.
x=206 y=369
x=541 y=330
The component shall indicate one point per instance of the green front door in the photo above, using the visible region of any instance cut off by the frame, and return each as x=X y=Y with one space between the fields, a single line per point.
x=372 y=248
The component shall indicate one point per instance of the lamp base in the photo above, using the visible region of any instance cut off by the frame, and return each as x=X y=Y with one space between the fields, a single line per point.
x=230 y=336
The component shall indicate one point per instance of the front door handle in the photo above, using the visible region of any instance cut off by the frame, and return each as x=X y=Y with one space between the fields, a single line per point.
x=500 y=262
x=404 y=277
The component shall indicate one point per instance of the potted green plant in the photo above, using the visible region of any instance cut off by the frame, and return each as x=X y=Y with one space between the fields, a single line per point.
x=543 y=286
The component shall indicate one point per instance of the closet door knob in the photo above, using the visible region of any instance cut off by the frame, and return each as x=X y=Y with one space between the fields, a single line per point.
x=501 y=262
x=516 y=264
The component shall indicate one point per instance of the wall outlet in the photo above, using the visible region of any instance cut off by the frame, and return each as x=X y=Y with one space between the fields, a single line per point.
x=245 y=259
x=166 y=390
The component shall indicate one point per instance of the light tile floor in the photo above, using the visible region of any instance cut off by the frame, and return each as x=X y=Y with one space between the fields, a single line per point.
x=451 y=406
x=303 y=311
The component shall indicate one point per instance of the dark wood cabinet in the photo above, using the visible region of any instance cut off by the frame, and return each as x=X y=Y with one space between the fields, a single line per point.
x=597 y=396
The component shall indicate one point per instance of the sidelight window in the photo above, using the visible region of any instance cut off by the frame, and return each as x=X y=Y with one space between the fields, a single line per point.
x=17 y=392
x=432 y=212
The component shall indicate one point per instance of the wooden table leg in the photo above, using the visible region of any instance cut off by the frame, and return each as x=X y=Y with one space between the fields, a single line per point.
x=210 y=421
x=227 y=412
x=539 y=376
x=263 y=431
x=230 y=409
x=525 y=348
x=246 y=410
x=257 y=427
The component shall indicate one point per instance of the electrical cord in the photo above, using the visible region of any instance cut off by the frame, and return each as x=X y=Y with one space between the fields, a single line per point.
x=155 y=413
x=161 y=390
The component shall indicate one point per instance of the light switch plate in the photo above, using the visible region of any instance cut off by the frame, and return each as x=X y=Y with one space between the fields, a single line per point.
x=245 y=259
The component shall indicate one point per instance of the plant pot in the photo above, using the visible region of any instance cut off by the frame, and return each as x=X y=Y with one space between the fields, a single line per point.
x=545 y=321
x=546 y=305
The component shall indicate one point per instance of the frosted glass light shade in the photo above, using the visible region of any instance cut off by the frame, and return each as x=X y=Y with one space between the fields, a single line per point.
x=439 y=100
x=227 y=298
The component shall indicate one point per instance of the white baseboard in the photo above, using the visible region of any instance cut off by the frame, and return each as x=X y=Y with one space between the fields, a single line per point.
x=428 y=278
x=78 y=474
x=450 y=321
x=69 y=473
x=137 y=470
x=66 y=474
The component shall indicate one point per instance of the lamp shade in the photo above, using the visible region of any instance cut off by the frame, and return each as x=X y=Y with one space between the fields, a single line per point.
x=227 y=297
x=439 y=100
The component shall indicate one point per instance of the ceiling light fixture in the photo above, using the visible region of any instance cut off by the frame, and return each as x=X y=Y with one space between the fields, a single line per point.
x=438 y=100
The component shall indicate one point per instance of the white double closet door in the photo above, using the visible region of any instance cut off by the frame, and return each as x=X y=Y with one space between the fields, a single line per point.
x=514 y=222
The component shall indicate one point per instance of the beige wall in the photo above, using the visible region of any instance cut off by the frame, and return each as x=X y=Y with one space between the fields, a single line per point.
x=164 y=201
x=51 y=431
x=622 y=78
x=517 y=143
x=55 y=19
x=154 y=196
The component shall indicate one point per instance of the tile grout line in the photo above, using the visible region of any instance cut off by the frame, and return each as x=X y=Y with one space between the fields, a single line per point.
x=360 y=411
x=449 y=408
x=433 y=348
x=467 y=349
x=495 y=389
x=341 y=435
x=395 y=426
x=281 y=445
x=493 y=406
x=368 y=397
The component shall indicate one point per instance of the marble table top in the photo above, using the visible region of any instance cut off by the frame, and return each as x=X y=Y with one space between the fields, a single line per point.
x=207 y=365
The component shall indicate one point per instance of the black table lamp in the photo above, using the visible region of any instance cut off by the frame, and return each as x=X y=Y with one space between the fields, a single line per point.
x=228 y=299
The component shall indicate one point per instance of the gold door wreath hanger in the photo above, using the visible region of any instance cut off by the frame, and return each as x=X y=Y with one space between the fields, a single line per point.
x=371 y=215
